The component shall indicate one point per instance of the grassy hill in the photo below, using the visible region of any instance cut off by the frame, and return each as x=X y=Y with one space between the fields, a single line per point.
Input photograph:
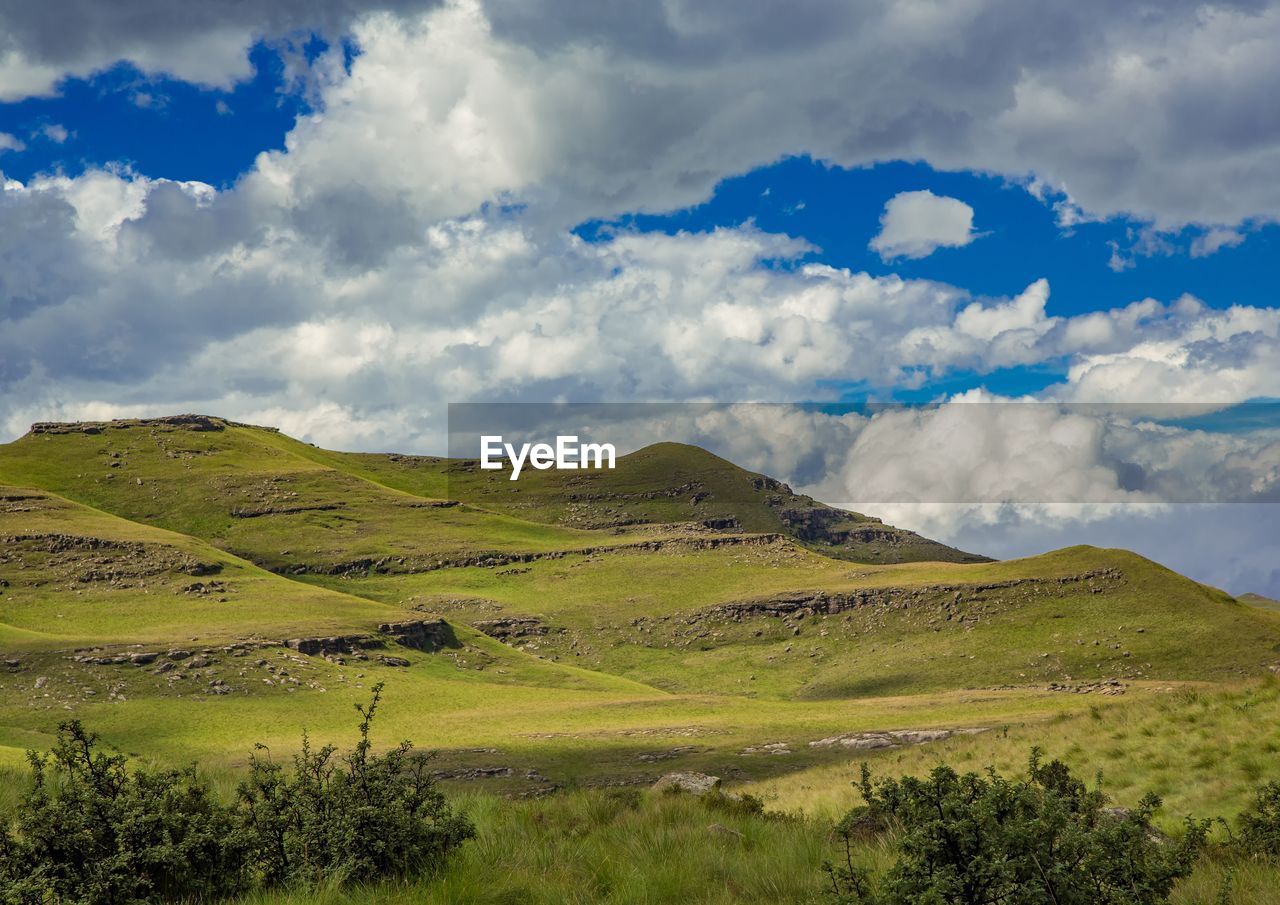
x=250 y=491
x=607 y=619
x=1262 y=603
x=190 y=586
x=780 y=620
x=666 y=483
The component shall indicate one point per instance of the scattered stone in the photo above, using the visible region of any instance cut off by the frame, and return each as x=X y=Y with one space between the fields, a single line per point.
x=472 y=773
x=865 y=741
x=393 y=661
x=720 y=829
x=41 y=682
x=693 y=783
x=1107 y=687
x=771 y=748
x=422 y=634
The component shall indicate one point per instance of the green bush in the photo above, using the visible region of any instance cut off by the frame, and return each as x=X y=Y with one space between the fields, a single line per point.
x=978 y=839
x=358 y=817
x=93 y=831
x=1260 y=823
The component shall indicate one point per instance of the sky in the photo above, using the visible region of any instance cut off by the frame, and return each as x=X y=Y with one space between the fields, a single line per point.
x=339 y=216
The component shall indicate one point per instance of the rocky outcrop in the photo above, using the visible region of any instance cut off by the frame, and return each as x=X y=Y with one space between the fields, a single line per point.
x=249 y=512
x=810 y=603
x=472 y=773
x=169 y=423
x=509 y=628
x=693 y=783
x=89 y=560
x=332 y=645
x=401 y=564
x=896 y=738
x=1106 y=687
x=421 y=634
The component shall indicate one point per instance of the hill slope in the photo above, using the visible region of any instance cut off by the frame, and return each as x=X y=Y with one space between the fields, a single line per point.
x=701 y=590
x=1261 y=602
x=666 y=483
x=249 y=491
x=293 y=508
x=576 y=646
x=777 y=620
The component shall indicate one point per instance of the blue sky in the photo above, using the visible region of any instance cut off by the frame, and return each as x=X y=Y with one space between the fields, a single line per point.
x=159 y=127
x=165 y=128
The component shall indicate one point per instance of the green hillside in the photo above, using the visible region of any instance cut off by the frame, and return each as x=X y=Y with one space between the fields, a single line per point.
x=666 y=483
x=1262 y=603
x=249 y=491
x=595 y=629
x=779 y=620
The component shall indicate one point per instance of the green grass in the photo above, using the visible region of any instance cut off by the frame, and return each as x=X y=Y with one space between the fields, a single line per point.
x=1154 y=624
x=1262 y=603
x=615 y=847
x=45 y=605
x=196 y=483
x=1202 y=749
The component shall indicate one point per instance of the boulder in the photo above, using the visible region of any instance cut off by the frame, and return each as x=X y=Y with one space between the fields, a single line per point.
x=693 y=783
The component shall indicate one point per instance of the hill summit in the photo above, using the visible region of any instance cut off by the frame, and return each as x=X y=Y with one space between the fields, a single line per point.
x=665 y=484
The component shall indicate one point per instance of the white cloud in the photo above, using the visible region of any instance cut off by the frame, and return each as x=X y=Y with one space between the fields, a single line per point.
x=54 y=132
x=916 y=224
x=10 y=143
x=1214 y=241
x=621 y=106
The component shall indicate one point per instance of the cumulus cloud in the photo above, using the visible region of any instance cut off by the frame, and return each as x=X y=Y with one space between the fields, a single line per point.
x=916 y=224
x=205 y=43
x=10 y=143
x=119 y=287
x=1215 y=240
x=623 y=106
x=54 y=132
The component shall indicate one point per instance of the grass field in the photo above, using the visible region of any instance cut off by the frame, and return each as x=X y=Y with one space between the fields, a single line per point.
x=599 y=633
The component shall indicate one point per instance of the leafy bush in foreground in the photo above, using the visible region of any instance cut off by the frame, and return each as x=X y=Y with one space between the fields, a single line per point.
x=977 y=839
x=94 y=831
x=361 y=816
x=1260 y=823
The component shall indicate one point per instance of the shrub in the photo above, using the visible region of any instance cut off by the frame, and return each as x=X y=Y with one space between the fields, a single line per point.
x=94 y=831
x=977 y=839
x=1260 y=823
x=356 y=817
x=91 y=830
